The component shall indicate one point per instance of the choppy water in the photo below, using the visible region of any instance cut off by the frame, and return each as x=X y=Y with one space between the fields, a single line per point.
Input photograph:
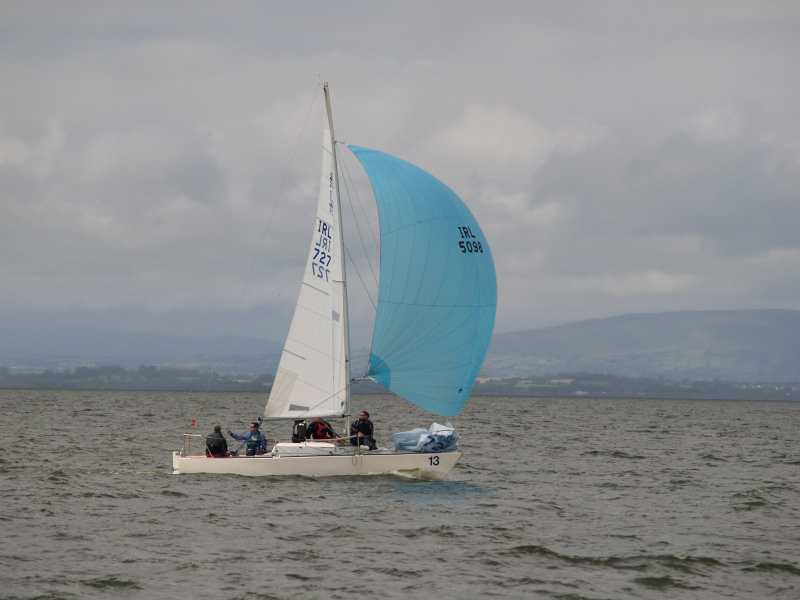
x=554 y=498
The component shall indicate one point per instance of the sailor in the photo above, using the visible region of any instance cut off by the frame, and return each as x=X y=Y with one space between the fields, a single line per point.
x=299 y=431
x=320 y=430
x=361 y=431
x=256 y=442
x=215 y=443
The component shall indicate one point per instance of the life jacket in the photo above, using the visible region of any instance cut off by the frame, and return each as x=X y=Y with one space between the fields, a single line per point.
x=321 y=430
x=254 y=441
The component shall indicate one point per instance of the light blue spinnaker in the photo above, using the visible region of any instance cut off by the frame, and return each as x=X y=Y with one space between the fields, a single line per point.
x=437 y=295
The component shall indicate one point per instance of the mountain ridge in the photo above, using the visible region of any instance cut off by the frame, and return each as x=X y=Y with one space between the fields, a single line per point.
x=735 y=345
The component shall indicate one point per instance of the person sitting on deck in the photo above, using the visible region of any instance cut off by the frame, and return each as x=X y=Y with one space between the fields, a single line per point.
x=299 y=433
x=256 y=442
x=320 y=430
x=216 y=445
x=361 y=432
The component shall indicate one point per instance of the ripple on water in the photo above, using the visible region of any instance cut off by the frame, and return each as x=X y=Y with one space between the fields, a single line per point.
x=111 y=583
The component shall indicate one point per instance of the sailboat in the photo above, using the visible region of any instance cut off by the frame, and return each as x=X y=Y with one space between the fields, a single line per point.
x=437 y=297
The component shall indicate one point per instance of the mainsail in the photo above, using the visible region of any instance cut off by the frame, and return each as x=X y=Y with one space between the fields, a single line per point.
x=437 y=294
x=312 y=375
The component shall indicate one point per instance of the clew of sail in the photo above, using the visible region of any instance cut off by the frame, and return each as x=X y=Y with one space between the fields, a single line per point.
x=437 y=294
x=312 y=375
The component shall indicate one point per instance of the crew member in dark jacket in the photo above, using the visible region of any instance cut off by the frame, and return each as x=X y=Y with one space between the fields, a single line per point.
x=215 y=444
x=361 y=432
x=299 y=433
x=320 y=430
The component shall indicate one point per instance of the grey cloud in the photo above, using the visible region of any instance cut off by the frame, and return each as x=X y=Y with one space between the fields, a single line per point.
x=619 y=157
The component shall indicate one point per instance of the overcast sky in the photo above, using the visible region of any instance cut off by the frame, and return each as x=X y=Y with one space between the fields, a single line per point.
x=620 y=156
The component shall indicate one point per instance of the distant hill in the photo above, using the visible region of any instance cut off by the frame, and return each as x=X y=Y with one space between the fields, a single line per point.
x=736 y=345
x=733 y=345
x=72 y=348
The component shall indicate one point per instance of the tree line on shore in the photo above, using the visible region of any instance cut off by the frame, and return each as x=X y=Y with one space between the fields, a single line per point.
x=143 y=378
x=616 y=386
x=577 y=384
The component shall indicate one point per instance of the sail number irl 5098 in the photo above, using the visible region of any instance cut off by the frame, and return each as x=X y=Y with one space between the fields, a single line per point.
x=468 y=242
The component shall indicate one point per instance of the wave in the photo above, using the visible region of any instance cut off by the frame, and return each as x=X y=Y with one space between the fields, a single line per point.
x=774 y=567
x=615 y=454
x=637 y=563
x=111 y=582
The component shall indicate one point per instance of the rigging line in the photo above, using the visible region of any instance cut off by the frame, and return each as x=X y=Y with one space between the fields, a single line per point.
x=272 y=212
x=392 y=418
x=203 y=402
x=360 y=278
x=347 y=179
x=349 y=183
x=260 y=246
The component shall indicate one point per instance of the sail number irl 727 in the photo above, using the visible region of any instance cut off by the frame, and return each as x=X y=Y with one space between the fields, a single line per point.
x=322 y=247
x=468 y=242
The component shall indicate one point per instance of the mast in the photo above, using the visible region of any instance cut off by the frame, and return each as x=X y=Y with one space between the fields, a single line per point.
x=340 y=244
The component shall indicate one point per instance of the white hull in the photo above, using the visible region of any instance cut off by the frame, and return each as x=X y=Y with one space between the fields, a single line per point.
x=422 y=466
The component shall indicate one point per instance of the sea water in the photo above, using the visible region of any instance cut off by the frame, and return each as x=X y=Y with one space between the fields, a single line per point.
x=553 y=498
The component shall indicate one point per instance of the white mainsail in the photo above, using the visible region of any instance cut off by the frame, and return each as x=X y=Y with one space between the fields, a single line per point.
x=312 y=377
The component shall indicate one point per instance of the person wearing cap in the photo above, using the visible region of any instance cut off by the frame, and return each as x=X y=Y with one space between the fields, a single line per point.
x=256 y=442
x=216 y=445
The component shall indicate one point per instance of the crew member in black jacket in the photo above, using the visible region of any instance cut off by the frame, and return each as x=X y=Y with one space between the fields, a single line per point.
x=361 y=432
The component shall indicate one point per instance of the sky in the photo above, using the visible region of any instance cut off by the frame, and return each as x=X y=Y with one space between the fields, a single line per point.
x=159 y=160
